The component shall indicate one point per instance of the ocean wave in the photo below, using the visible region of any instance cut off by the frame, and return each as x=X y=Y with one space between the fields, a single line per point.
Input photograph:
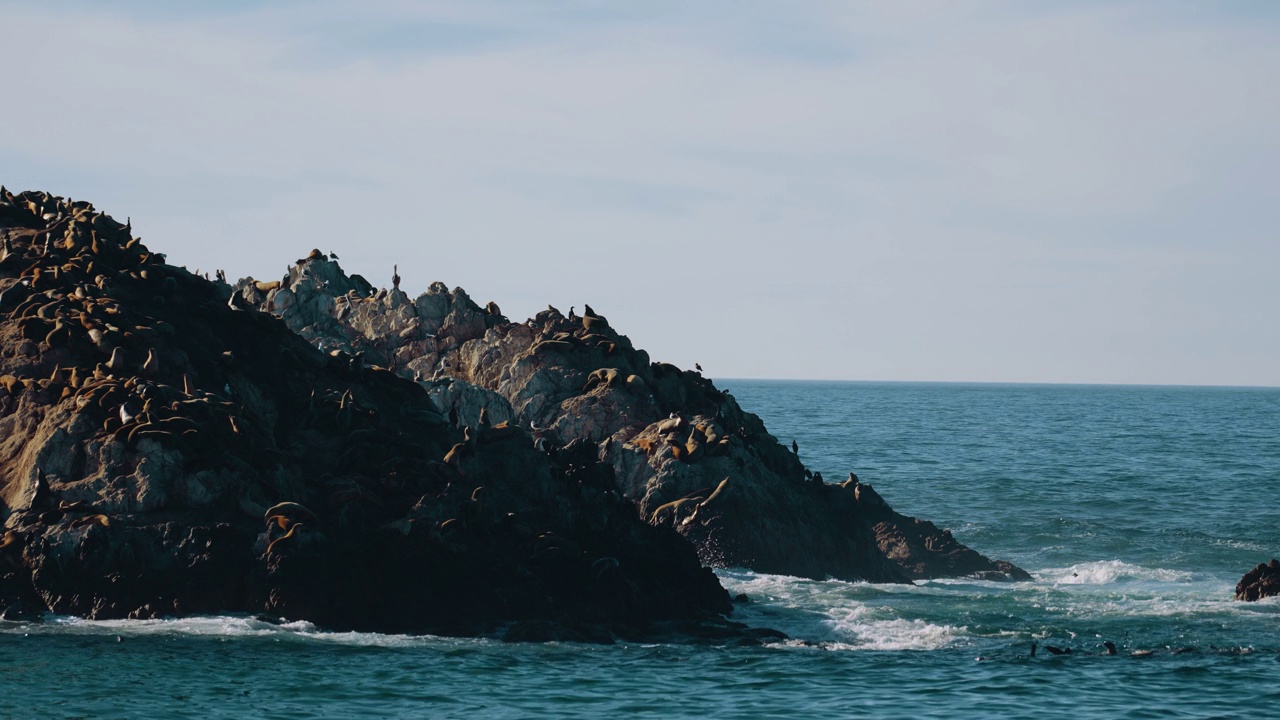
x=835 y=614
x=221 y=626
x=1106 y=572
x=1239 y=544
x=863 y=631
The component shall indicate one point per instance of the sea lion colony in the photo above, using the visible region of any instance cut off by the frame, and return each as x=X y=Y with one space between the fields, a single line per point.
x=165 y=453
x=670 y=435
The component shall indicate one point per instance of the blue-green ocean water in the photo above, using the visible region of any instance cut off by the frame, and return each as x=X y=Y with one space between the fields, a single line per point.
x=1136 y=508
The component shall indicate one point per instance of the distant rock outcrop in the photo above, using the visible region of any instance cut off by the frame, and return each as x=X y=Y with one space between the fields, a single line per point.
x=684 y=451
x=165 y=453
x=1261 y=582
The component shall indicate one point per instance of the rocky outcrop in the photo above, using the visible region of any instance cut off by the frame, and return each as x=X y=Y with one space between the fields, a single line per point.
x=682 y=450
x=165 y=453
x=1261 y=582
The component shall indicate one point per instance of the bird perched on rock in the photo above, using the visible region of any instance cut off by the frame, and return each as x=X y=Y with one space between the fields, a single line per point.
x=395 y=276
x=699 y=367
x=333 y=256
x=795 y=448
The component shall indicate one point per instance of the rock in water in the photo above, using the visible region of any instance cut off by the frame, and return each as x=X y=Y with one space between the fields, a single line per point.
x=1261 y=582
x=250 y=472
x=668 y=435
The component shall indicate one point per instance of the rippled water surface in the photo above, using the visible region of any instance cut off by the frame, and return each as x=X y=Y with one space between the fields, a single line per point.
x=1136 y=508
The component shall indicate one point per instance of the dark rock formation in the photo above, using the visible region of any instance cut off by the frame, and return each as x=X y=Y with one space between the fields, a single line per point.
x=1261 y=582
x=150 y=430
x=670 y=435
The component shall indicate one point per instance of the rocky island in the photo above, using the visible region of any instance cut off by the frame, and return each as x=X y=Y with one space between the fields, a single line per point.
x=311 y=447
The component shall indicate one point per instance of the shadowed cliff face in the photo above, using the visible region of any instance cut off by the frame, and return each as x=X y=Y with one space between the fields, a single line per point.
x=670 y=435
x=164 y=453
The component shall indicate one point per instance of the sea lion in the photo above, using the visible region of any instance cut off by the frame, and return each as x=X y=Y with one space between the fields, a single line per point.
x=454 y=457
x=670 y=425
x=671 y=510
x=606 y=377
x=87 y=520
x=715 y=495
x=294 y=511
x=288 y=537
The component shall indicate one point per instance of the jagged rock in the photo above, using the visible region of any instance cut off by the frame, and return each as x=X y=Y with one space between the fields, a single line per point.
x=1261 y=582
x=224 y=464
x=568 y=379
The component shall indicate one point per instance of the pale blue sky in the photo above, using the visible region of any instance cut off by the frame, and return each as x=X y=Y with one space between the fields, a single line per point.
x=965 y=190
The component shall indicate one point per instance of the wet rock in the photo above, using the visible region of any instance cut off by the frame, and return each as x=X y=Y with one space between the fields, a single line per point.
x=1261 y=582
x=669 y=435
x=164 y=452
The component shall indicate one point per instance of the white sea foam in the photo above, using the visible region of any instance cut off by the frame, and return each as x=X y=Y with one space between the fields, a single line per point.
x=835 y=614
x=221 y=626
x=1239 y=544
x=864 y=631
x=1105 y=572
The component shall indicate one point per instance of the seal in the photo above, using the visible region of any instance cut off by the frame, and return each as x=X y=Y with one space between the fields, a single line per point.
x=99 y=519
x=295 y=512
x=116 y=363
x=292 y=535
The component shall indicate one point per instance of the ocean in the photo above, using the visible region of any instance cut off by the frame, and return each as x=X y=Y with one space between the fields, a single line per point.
x=1137 y=509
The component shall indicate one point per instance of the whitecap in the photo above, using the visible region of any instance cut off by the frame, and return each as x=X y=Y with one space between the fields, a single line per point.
x=865 y=632
x=223 y=626
x=1105 y=572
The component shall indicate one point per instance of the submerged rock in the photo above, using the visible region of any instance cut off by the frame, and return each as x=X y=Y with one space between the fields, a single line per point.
x=165 y=453
x=680 y=448
x=1261 y=582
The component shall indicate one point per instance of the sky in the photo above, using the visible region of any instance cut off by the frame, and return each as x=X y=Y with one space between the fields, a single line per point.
x=970 y=190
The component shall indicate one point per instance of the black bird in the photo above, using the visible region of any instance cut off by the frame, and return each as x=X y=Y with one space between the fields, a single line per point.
x=795 y=448
x=333 y=256
x=698 y=366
